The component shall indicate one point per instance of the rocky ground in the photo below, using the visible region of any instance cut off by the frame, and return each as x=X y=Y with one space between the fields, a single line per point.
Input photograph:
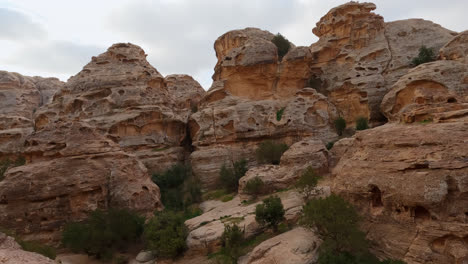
x=93 y=142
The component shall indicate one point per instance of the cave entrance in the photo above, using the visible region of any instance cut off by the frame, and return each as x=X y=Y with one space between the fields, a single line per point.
x=376 y=197
x=421 y=214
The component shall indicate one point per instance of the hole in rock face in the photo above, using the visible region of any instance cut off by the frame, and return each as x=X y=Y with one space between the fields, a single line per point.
x=451 y=100
x=145 y=188
x=421 y=213
x=376 y=196
x=121 y=92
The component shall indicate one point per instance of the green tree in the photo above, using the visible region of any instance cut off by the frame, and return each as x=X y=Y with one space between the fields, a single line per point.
x=231 y=241
x=338 y=223
x=279 y=114
x=270 y=152
x=229 y=177
x=165 y=234
x=307 y=183
x=270 y=213
x=103 y=232
x=254 y=186
x=282 y=44
x=362 y=123
x=340 y=125
x=425 y=55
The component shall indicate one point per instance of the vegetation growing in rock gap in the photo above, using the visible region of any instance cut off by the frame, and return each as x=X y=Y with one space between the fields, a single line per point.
x=103 y=232
x=178 y=189
x=229 y=177
x=362 y=123
x=165 y=234
x=338 y=223
x=254 y=186
x=340 y=125
x=279 y=114
x=231 y=241
x=270 y=152
x=307 y=183
x=38 y=247
x=270 y=213
x=282 y=44
x=330 y=145
x=5 y=164
x=425 y=55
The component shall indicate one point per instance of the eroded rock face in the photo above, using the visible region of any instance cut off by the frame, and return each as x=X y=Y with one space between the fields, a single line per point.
x=298 y=246
x=410 y=183
x=206 y=230
x=232 y=128
x=358 y=56
x=20 y=96
x=294 y=161
x=71 y=170
x=456 y=49
x=11 y=253
x=433 y=91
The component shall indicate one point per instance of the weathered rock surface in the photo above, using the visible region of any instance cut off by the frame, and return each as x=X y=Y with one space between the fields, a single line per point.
x=71 y=170
x=456 y=49
x=226 y=130
x=20 y=96
x=298 y=246
x=410 y=183
x=432 y=91
x=128 y=100
x=358 y=57
x=206 y=229
x=11 y=253
x=294 y=161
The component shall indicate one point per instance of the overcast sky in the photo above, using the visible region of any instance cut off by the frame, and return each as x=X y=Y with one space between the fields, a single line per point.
x=57 y=38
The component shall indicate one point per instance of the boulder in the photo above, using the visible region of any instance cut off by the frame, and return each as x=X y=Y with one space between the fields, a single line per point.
x=11 y=253
x=456 y=49
x=206 y=230
x=298 y=246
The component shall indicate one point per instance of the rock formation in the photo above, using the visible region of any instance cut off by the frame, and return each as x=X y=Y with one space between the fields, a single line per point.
x=298 y=246
x=11 y=253
x=358 y=57
x=20 y=97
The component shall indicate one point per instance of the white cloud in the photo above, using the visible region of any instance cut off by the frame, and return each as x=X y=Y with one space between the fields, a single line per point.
x=58 y=37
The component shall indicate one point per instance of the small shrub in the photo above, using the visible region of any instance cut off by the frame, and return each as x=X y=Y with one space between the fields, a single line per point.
x=279 y=114
x=103 y=232
x=39 y=248
x=192 y=212
x=270 y=152
x=340 y=125
x=171 y=178
x=270 y=213
x=282 y=44
x=254 y=186
x=425 y=55
x=227 y=198
x=214 y=195
x=165 y=234
x=229 y=177
x=307 y=184
x=362 y=123
x=5 y=164
x=231 y=241
x=330 y=145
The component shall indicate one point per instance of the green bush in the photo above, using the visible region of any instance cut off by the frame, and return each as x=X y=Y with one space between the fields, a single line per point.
x=282 y=44
x=254 y=186
x=362 y=123
x=340 y=125
x=330 y=145
x=178 y=190
x=279 y=114
x=37 y=247
x=231 y=241
x=338 y=223
x=425 y=55
x=270 y=213
x=5 y=164
x=307 y=183
x=229 y=177
x=270 y=152
x=165 y=234
x=103 y=232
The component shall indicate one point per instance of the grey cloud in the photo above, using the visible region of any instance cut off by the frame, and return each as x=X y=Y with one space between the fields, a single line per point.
x=18 y=26
x=61 y=57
